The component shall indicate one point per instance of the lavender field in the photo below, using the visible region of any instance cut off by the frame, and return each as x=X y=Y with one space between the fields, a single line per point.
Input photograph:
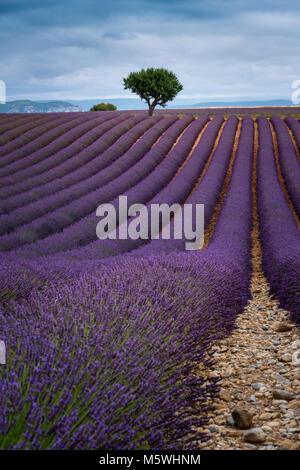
x=104 y=338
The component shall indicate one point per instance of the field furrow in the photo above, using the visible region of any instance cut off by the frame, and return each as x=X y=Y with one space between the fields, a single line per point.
x=120 y=156
x=25 y=125
x=71 y=140
x=81 y=208
x=32 y=140
x=17 y=120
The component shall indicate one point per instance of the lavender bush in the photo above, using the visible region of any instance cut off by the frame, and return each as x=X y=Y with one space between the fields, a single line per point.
x=106 y=360
x=24 y=140
x=279 y=233
x=98 y=171
x=26 y=143
x=24 y=125
x=80 y=208
x=288 y=160
x=59 y=149
x=65 y=187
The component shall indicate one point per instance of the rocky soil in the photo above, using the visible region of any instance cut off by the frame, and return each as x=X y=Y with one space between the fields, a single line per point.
x=258 y=405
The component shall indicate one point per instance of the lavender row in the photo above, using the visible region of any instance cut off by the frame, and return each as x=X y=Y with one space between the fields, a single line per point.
x=152 y=184
x=24 y=139
x=19 y=125
x=148 y=321
x=295 y=128
x=207 y=192
x=77 y=183
x=168 y=182
x=33 y=140
x=40 y=160
x=158 y=189
x=83 y=209
x=231 y=241
x=6 y=119
x=13 y=159
x=279 y=233
x=15 y=131
x=65 y=159
x=288 y=160
x=73 y=171
x=14 y=121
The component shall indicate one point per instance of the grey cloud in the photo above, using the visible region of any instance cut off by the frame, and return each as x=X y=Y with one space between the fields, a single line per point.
x=76 y=48
x=119 y=36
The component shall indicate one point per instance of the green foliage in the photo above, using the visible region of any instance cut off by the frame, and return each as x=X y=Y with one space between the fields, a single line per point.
x=103 y=107
x=155 y=86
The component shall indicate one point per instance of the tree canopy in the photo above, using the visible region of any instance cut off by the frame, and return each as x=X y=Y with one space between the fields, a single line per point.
x=103 y=107
x=155 y=86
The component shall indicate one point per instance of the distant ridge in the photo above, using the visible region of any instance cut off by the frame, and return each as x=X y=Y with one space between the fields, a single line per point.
x=28 y=106
x=237 y=104
x=137 y=104
x=123 y=104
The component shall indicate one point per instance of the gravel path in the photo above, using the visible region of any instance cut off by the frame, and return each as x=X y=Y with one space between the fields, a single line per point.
x=254 y=364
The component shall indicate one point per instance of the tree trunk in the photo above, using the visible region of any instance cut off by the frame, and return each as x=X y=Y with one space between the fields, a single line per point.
x=151 y=109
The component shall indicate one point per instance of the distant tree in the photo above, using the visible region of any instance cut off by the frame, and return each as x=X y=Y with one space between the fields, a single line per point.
x=155 y=86
x=103 y=107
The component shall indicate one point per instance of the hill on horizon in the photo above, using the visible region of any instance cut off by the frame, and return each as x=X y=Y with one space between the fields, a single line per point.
x=123 y=104
x=179 y=103
x=247 y=104
x=29 y=106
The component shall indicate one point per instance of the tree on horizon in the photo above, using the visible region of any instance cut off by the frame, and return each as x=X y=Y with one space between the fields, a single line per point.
x=154 y=86
x=103 y=107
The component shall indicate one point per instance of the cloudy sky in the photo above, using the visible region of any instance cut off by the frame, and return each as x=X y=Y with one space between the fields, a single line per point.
x=80 y=49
